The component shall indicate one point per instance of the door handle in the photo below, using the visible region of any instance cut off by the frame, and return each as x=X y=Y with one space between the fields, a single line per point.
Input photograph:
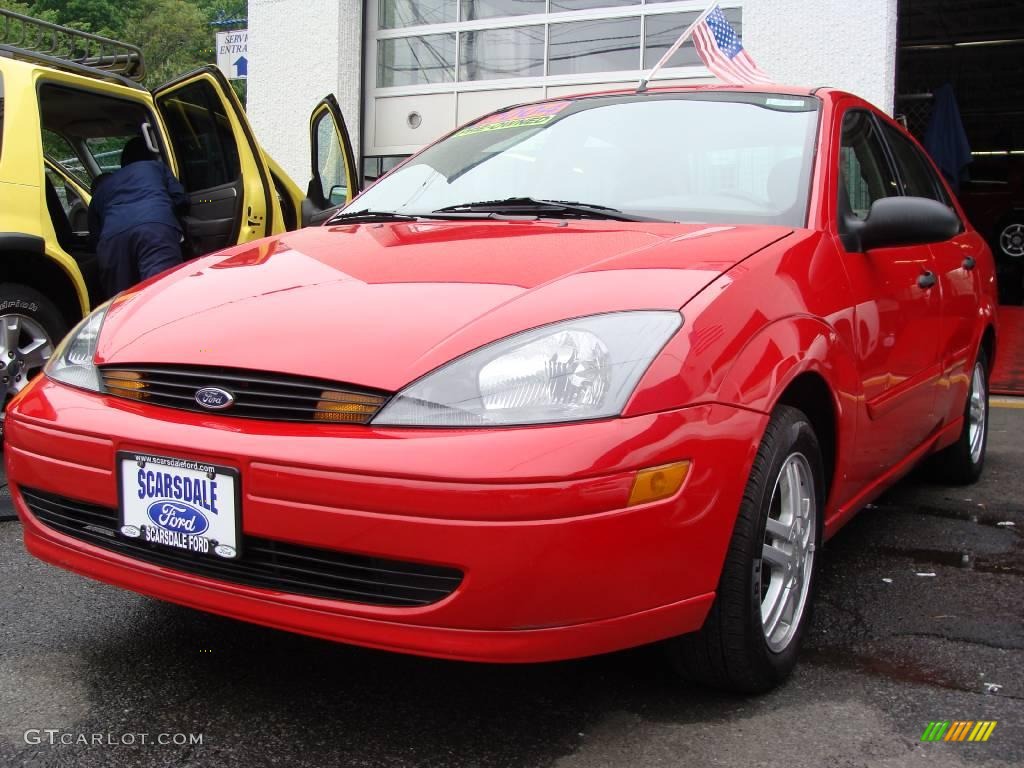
x=926 y=281
x=969 y=263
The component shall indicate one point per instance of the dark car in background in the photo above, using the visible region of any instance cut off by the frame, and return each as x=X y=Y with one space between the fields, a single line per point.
x=994 y=202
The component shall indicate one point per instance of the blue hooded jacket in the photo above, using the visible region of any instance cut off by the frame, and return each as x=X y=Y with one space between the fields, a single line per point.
x=142 y=191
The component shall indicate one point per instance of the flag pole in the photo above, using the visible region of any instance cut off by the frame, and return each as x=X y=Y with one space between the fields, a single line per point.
x=642 y=85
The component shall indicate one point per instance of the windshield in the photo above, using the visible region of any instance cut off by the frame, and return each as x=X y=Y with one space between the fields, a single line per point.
x=723 y=158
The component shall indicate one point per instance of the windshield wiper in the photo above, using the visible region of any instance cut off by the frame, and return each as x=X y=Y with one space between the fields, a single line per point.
x=367 y=216
x=546 y=208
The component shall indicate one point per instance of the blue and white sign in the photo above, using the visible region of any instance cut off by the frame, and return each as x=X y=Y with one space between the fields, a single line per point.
x=233 y=54
x=179 y=503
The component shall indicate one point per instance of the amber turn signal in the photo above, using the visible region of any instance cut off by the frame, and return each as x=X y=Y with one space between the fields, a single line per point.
x=658 y=482
x=125 y=384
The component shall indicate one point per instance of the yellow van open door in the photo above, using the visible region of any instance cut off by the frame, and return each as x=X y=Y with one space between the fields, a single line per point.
x=334 y=176
x=218 y=160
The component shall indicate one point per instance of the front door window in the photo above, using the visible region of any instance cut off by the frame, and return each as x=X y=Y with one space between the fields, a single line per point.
x=330 y=161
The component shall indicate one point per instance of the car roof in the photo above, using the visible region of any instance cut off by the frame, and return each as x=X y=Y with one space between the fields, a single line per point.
x=787 y=90
x=13 y=60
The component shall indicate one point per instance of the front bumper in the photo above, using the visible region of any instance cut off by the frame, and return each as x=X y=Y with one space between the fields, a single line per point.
x=555 y=564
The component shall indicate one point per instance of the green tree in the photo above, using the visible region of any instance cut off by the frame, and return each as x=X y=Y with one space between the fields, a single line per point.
x=102 y=17
x=174 y=37
x=223 y=10
x=19 y=7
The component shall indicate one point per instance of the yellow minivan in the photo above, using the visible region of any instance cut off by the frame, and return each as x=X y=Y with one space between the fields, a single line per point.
x=69 y=101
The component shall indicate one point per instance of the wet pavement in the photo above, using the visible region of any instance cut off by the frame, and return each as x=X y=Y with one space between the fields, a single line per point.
x=919 y=617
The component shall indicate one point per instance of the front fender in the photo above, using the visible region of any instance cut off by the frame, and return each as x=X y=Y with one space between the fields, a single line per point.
x=780 y=352
x=754 y=372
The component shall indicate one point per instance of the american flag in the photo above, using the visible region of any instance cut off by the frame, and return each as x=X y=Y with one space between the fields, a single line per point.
x=722 y=51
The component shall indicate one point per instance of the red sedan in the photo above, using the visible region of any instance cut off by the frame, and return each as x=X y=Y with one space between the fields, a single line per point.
x=585 y=374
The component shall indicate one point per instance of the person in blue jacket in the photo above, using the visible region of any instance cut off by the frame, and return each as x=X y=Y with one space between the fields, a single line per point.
x=134 y=217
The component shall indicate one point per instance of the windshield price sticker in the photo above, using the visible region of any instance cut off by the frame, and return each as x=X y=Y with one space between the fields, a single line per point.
x=520 y=117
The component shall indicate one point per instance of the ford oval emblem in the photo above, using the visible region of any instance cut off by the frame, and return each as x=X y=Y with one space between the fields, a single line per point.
x=178 y=517
x=215 y=398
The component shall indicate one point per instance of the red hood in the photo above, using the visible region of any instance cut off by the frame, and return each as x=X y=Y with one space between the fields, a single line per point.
x=380 y=305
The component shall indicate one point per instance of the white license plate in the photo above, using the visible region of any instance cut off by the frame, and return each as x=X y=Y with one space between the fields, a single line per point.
x=180 y=504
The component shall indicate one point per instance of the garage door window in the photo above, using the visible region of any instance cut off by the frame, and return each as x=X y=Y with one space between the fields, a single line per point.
x=432 y=42
x=610 y=45
x=661 y=31
x=413 y=13
x=416 y=60
x=499 y=53
x=582 y=5
x=491 y=9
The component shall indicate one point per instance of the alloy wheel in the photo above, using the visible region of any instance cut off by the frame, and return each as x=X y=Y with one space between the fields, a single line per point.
x=977 y=413
x=1011 y=240
x=25 y=346
x=787 y=554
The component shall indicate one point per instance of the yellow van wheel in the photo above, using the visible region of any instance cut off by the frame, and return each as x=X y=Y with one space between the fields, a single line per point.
x=30 y=328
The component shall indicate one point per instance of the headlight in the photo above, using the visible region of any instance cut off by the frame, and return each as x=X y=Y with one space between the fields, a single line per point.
x=71 y=363
x=568 y=371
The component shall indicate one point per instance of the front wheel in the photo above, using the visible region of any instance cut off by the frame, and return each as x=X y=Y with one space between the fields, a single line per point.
x=30 y=326
x=752 y=634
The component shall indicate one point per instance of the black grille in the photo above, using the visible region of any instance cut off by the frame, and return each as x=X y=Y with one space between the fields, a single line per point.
x=257 y=395
x=264 y=563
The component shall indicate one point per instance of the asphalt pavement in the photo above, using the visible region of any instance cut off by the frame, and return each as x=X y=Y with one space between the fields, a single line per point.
x=919 y=618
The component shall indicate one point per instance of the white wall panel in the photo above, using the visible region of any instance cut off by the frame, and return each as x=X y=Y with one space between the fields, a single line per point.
x=408 y=122
x=848 y=45
x=300 y=51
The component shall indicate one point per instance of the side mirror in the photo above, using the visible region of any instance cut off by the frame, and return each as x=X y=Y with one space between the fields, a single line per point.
x=895 y=221
x=338 y=196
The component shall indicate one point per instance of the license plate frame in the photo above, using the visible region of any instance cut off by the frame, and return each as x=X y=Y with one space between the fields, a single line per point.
x=198 y=502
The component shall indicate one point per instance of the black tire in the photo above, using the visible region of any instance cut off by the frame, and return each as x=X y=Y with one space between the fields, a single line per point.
x=21 y=300
x=1008 y=249
x=960 y=464
x=1009 y=237
x=731 y=651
